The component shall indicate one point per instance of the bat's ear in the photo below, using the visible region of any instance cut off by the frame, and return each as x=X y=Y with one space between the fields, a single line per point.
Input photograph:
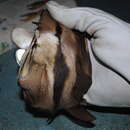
x=81 y=114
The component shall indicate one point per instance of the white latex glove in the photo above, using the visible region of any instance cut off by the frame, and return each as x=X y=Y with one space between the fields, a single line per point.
x=110 y=36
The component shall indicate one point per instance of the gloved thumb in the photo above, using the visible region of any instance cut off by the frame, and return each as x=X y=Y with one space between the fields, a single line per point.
x=67 y=16
x=82 y=19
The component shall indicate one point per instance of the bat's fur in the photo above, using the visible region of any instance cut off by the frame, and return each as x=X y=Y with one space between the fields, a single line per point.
x=56 y=71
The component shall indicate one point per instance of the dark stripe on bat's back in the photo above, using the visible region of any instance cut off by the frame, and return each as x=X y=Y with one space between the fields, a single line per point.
x=83 y=69
x=60 y=71
x=60 y=74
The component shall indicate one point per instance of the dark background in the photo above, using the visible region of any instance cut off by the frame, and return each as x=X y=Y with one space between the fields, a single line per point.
x=119 y=8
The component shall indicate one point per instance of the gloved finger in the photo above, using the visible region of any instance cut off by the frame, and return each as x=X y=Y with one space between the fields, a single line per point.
x=83 y=19
x=58 y=12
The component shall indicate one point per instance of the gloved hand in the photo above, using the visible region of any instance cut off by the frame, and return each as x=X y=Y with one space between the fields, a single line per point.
x=110 y=36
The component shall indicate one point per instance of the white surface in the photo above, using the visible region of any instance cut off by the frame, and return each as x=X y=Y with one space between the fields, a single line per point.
x=108 y=89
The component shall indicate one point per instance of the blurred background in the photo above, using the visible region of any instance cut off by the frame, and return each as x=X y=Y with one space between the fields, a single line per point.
x=13 y=115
